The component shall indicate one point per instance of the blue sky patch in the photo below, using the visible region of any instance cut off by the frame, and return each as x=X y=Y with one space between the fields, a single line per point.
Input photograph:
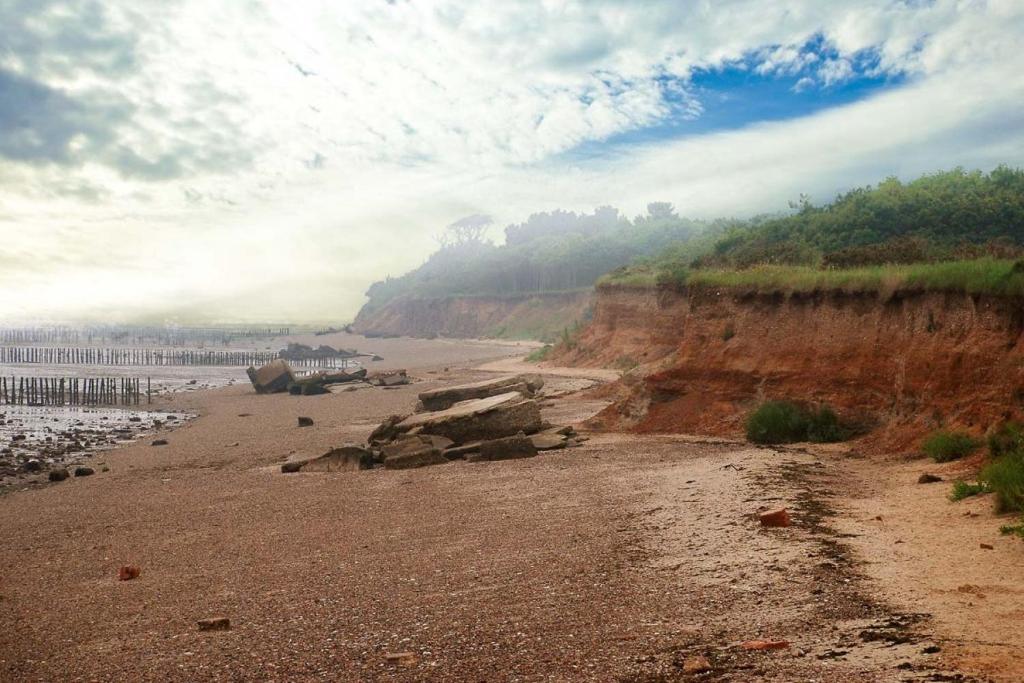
x=740 y=94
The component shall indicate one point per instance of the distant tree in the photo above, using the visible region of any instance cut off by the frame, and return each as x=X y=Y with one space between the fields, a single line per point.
x=661 y=210
x=466 y=231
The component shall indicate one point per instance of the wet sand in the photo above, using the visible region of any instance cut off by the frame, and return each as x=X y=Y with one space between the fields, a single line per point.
x=630 y=558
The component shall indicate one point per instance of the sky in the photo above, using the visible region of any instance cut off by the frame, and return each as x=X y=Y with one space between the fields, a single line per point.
x=261 y=160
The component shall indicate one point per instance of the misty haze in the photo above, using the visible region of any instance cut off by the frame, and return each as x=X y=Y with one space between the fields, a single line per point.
x=543 y=340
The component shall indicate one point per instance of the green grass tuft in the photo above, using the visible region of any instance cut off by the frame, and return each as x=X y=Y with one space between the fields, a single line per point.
x=1013 y=529
x=1005 y=477
x=943 y=446
x=961 y=490
x=540 y=354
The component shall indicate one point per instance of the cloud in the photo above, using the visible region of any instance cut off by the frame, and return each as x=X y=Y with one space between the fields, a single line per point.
x=54 y=39
x=228 y=140
x=41 y=124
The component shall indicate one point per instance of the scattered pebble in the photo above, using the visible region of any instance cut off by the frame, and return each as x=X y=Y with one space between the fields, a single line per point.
x=215 y=624
x=128 y=572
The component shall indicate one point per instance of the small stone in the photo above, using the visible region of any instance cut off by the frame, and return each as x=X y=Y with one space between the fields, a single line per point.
x=775 y=518
x=986 y=546
x=159 y=442
x=33 y=465
x=128 y=572
x=135 y=418
x=928 y=479
x=305 y=422
x=696 y=665
x=84 y=471
x=215 y=624
x=403 y=658
x=59 y=474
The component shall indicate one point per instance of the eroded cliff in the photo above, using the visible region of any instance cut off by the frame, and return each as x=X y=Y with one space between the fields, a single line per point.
x=897 y=363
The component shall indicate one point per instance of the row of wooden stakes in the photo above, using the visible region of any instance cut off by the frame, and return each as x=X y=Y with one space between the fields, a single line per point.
x=74 y=391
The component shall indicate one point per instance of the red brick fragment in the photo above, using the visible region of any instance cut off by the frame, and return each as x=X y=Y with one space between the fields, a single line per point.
x=775 y=518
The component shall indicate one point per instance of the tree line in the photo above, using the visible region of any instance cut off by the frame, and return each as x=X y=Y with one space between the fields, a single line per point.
x=943 y=215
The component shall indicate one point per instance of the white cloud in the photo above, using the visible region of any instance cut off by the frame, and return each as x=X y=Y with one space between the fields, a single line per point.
x=315 y=146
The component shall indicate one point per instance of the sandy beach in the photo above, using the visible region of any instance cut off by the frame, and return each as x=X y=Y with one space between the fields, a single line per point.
x=629 y=558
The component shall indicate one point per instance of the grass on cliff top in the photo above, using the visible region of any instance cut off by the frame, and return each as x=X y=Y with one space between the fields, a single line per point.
x=977 y=276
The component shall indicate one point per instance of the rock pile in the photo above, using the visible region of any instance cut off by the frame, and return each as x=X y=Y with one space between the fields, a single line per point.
x=497 y=419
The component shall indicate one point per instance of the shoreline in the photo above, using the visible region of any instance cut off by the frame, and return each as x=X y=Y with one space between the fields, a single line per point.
x=623 y=558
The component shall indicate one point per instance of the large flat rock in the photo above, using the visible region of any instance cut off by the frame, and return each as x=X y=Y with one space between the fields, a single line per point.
x=478 y=420
x=445 y=397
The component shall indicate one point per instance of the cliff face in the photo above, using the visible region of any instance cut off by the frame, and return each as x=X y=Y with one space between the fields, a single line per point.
x=538 y=316
x=903 y=363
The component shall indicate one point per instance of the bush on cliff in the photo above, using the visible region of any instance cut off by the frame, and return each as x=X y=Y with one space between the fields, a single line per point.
x=540 y=354
x=943 y=446
x=786 y=422
x=1005 y=439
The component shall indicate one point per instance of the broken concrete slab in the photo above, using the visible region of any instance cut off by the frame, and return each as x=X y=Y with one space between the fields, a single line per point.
x=272 y=378
x=507 y=448
x=320 y=382
x=414 y=443
x=445 y=397
x=346 y=458
x=419 y=458
x=387 y=430
x=460 y=452
x=476 y=420
x=389 y=378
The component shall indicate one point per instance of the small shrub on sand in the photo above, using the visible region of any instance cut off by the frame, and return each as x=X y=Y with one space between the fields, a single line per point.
x=962 y=489
x=1005 y=477
x=540 y=354
x=787 y=422
x=823 y=426
x=943 y=446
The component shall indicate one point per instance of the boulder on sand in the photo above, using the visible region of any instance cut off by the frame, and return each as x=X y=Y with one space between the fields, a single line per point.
x=272 y=378
x=445 y=397
x=344 y=459
x=477 y=420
